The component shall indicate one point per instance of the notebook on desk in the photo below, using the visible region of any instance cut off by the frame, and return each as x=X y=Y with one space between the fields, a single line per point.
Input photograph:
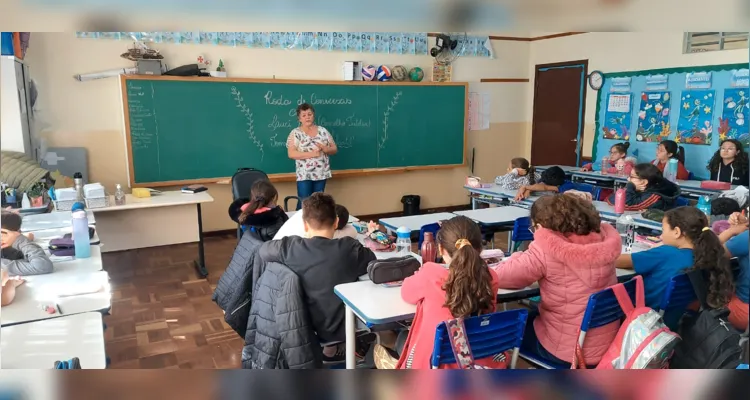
x=193 y=189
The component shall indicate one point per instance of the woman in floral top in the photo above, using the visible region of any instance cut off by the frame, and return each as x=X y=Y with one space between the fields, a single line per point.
x=309 y=146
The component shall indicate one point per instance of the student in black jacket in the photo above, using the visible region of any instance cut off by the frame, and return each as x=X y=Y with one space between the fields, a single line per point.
x=729 y=163
x=259 y=214
x=322 y=263
x=648 y=189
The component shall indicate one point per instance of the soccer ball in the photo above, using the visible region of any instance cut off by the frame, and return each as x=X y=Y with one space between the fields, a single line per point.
x=368 y=73
x=399 y=73
x=384 y=73
x=416 y=74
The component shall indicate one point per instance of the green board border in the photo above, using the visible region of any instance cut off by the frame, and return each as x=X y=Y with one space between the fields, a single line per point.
x=667 y=71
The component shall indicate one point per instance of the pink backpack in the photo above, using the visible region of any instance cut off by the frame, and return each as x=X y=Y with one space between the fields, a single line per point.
x=643 y=341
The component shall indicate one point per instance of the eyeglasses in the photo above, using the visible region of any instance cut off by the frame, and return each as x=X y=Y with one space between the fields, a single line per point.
x=532 y=229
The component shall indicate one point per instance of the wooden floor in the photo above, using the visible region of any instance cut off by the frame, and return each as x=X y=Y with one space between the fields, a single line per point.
x=162 y=315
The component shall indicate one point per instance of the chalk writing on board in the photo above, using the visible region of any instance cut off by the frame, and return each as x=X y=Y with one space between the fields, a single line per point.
x=344 y=143
x=386 y=115
x=245 y=110
x=276 y=123
x=278 y=101
x=329 y=101
x=275 y=142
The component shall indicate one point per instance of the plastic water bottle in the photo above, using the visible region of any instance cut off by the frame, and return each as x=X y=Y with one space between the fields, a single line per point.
x=625 y=227
x=704 y=204
x=605 y=165
x=119 y=195
x=403 y=241
x=620 y=201
x=25 y=202
x=81 y=238
x=670 y=171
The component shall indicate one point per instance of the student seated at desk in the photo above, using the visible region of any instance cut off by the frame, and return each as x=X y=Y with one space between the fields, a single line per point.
x=647 y=189
x=618 y=160
x=687 y=242
x=552 y=180
x=667 y=150
x=520 y=173
x=322 y=263
x=20 y=255
x=461 y=288
x=296 y=227
x=259 y=213
x=730 y=164
x=736 y=242
x=572 y=257
x=8 y=291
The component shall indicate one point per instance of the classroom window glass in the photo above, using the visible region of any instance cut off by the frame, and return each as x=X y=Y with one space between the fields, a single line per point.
x=698 y=42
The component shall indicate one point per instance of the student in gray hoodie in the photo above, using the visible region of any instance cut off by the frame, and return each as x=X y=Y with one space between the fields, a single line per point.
x=20 y=255
x=520 y=173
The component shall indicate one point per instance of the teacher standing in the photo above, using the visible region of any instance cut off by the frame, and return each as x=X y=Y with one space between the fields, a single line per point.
x=309 y=145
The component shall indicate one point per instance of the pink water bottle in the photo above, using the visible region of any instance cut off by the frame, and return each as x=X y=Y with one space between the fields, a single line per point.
x=620 y=201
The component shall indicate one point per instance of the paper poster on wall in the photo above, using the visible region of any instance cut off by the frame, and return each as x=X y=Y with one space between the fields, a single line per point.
x=617 y=117
x=620 y=84
x=653 y=117
x=695 y=125
x=657 y=82
x=698 y=80
x=479 y=111
x=740 y=78
x=734 y=121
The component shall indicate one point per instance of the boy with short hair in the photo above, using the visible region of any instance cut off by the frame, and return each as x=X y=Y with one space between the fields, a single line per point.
x=295 y=225
x=321 y=263
x=20 y=255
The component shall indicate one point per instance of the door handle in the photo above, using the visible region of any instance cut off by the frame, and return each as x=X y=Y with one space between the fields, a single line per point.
x=574 y=140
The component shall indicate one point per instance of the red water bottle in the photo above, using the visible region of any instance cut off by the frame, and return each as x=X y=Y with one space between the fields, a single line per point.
x=620 y=201
x=428 y=251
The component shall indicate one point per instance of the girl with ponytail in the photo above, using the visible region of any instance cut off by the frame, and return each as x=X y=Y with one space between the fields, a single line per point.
x=259 y=213
x=687 y=242
x=461 y=288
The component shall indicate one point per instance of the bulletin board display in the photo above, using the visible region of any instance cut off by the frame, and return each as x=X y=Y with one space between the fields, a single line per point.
x=698 y=107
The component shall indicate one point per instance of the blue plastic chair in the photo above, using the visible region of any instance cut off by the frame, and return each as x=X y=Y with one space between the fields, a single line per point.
x=691 y=176
x=678 y=295
x=520 y=233
x=488 y=336
x=601 y=310
x=585 y=187
x=681 y=201
x=432 y=228
x=743 y=366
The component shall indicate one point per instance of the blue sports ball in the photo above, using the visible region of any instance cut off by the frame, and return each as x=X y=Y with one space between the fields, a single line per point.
x=368 y=73
x=384 y=73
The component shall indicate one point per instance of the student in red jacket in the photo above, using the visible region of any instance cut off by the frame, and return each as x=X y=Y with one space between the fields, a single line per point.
x=667 y=150
x=462 y=287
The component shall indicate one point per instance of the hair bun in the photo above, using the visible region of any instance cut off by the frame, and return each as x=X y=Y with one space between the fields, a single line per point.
x=626 y=145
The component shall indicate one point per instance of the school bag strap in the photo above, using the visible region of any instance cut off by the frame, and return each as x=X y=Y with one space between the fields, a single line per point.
x=460 y=344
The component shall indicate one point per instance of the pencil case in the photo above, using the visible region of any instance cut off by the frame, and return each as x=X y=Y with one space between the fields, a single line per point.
x=392 y=269
x=716 y=185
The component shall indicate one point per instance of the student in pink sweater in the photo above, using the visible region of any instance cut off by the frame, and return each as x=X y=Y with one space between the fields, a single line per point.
x=462 y=287
x=572 y=257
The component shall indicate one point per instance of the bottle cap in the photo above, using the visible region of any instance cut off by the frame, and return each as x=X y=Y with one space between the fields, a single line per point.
x=77 y=175
x=77 y=206
x=403 y=232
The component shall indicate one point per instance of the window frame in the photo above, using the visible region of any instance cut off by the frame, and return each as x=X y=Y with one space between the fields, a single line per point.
x=687 y=47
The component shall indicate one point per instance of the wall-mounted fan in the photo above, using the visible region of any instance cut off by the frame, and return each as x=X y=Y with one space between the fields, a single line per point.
x=448 y=47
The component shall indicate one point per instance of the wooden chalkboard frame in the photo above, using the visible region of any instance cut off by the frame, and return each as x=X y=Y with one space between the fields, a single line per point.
x=287 y=177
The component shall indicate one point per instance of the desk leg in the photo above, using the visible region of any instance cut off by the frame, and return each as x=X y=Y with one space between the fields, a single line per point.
x=351 y=335
x=200 y=263
x=473 y=203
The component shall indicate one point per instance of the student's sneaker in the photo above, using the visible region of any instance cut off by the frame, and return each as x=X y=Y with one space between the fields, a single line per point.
x=338 y=357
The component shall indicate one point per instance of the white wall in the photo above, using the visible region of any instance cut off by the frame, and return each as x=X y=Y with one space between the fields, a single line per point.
x=11 y=131
x=615 y=52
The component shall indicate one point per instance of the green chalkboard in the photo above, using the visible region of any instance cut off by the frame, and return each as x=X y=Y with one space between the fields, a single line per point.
x=200 y=130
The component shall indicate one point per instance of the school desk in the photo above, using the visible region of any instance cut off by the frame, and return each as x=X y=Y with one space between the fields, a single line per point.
x=38 y=345
x=413 y=222
x=691 y=188
x=60 y=288
x=607 y=212
x=169 y=218
x=595 y=178
x=52 y=220
x=497 y=195
x=567 y=169
x=495 y=216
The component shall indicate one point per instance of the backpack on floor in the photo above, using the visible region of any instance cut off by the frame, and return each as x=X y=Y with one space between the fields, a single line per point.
x=709 y=341
x=643 y=341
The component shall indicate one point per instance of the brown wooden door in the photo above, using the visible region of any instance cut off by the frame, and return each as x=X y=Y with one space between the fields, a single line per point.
x=559 y=110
